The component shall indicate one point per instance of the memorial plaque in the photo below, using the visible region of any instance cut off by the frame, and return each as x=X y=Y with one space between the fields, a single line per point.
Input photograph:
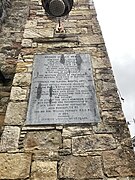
x=62 y=90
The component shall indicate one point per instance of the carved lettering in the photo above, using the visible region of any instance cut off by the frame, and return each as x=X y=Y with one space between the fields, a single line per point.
x=62 y=90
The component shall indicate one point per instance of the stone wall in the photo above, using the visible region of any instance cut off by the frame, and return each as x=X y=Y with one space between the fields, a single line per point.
x=81 y=152
x=11 y=30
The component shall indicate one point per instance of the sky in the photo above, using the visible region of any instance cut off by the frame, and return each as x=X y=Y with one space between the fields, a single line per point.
x=116 y=18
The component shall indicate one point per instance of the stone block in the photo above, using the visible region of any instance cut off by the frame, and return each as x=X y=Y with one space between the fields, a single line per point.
x=26 y=42
x=80 y=168
x=2 y=117
x=9 y=139
x=76 y=31
x=18 y=94
x=113 y=116
x=97 y=142
x=76 y=131
x=21 y=69
x=49 y=140
x=34 y=45
x=100 y=62
x=14 y=166
x=104 y=128
x=119 y=162
x=31 y=23
x=104 y=87
x=110 y=102
x=4 y=94
x=22 y=79
x=44 y=170
x=67 y=143
x=84 y=23
x=45 y=155
x=8 y=69
x=91 y=40
x=16 y=113
x=38 y=33
x=105 y=74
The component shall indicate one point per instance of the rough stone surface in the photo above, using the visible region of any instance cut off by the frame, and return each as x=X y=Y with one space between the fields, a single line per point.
x=82 y=152
x=101 y=142
x=43 y=140
x=2 y=117
x=80 y=168
x=12 y=21
x=38 y=33
x=16 y=113
x=67 y=143
x=26 y=43
x=22 y=79
x=9 y=139
x=24 y=66
x=76 y=131
x=46 y=155
x=14 y=166
x=18 y=93
x=120 y=162
x=44 y=170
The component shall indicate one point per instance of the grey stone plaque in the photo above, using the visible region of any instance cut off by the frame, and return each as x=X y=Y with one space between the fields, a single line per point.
x=62 y=91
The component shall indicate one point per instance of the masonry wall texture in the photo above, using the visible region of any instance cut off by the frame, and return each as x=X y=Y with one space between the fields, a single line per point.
x=81 y=152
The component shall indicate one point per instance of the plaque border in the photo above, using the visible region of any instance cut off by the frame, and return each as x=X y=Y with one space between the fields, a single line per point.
x=97 y=118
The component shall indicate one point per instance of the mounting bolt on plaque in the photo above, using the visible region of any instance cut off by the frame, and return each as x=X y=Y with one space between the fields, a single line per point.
x=57 y=8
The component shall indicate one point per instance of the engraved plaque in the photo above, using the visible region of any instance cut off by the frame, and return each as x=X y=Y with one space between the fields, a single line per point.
x=62 y=91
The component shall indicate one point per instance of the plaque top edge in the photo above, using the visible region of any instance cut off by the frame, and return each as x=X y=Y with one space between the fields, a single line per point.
x=59 y=54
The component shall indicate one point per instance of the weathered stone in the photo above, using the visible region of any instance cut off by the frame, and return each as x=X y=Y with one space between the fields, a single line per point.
x=4 y=94
x=18 y=93
x=34 y=45
x=106 y=88
x=2 y=117
x=100 y=62
x=9 y=139
x=8 y=69
x=105 y=74
x=83 y=23
x=122 y=178
x=16 y=113
x=44 y=170
x=109 y=102
x=26 y=42
x=31 y=24
x=67 y=143
x=22 y=79
x=4 y=100
x=43 y=140
x=76 y=131
x=37 y=128
x=37 y=33
x=111 y=117
x=119 y=162
x=105 y=128
x=95 y=39
x=81 y=168
x=76 y=31
x=85 y=144
x=64 y=152
x=45 y=155
x=14 y=166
